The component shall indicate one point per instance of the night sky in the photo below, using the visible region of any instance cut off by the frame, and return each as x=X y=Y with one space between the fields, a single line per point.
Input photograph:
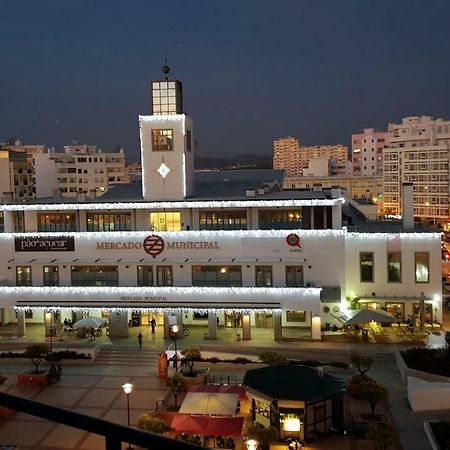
x=79 y=71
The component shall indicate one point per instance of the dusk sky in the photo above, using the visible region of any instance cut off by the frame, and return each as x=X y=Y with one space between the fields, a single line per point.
x=251 y=70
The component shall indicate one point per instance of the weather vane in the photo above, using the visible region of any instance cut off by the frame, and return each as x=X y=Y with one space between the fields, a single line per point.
x=165 y=68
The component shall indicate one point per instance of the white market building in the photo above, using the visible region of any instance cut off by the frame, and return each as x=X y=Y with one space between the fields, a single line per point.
x=228 y=247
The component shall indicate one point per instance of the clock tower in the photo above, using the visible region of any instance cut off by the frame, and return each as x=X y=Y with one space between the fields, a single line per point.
x=167 y=154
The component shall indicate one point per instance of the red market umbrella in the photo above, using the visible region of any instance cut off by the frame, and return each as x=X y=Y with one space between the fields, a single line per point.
x=224 y=426
x=184 y=423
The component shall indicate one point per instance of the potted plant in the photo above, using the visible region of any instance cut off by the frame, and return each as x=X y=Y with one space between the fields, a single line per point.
x=149 y=422
x=36 y=377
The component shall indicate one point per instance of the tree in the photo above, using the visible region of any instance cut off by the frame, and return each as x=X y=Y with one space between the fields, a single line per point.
x=149 y=422
x=272 y=358
x=37 y=353
x=262 y=434
x=192 y=354
x=362 y=363
x=384 y=435
x=177 y=385
x=372 y=392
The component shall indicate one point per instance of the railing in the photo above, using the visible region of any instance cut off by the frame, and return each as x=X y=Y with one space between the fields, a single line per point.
x=113 y=433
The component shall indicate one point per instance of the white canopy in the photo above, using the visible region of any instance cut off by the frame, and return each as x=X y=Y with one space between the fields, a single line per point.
x=207 y=403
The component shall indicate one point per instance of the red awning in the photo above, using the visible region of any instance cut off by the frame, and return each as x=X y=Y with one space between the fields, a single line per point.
x=208 y=426
x=224 y=426
x=185 y=423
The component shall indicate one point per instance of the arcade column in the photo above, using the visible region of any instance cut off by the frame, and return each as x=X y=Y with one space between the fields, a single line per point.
x=20 y=323
x=246 y=327
x=212 y=326
x=316 y=331
x=118 y=324
x=277 y=329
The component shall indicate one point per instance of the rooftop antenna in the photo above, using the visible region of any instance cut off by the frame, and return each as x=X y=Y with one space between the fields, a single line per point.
x=165 y=68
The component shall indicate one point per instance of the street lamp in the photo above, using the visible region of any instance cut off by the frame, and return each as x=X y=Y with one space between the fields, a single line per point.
x=251 y=444
x=127 y=388
x=175 y=328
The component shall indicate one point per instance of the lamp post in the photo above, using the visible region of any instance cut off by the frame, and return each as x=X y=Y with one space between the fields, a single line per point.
x=127 y=388
x=251 y=444
x=175 y=329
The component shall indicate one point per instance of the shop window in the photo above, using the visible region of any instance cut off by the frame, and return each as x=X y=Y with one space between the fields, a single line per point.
x=294 y=276
x=396 y=309
x=366 y=267
x=108 y=221
x=277 y=219
x=263 y=276
x=23 y=276
x=28 y=314
x=95 y=276
x=145 y=275
x=217 y=276
x=422 y=266
x=394 y=261
x=295 y=316
x=56 y=222
x=223 y=220
x=165 y=221
x=202 y=315
x=51 y=276
x=164 y=276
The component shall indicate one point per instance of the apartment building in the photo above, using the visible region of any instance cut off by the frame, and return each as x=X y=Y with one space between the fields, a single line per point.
x=419 y=153
x=367 y=152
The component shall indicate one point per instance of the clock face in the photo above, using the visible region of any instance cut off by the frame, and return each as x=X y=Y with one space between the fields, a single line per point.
x=162 y=140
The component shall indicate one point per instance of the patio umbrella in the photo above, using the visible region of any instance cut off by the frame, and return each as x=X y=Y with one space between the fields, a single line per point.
x=90 y=322
x=370 y=315
x=182 y=423
x=224 y=426
x=209 y=403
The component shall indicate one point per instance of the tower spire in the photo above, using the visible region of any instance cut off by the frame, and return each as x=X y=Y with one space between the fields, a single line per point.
x=165 y=68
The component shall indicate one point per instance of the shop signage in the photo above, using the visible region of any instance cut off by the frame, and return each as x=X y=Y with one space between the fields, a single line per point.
x=141 y=298
x=44 y=244
x=293 y=241
x=154 y=245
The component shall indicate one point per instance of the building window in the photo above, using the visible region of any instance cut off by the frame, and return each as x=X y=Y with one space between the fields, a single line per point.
x=223 y=220
x=56 y=222
x=295 y=316
x=165 y=221
x=276 y=219
x=422 y=265
x=396 y=309
x=294 y=276
x=394 y=261
x=162 y=140
x=164 y=276
x=366 y=267
x=51 y=276
x=23 y=276
x=217 y=276
x=145 y=275
x=263 y=276
x=95 y=276
x=108 y=222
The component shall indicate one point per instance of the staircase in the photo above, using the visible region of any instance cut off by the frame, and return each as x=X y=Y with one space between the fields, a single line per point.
x=127 y=356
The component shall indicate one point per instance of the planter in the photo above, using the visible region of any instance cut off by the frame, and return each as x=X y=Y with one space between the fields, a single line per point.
x=33 y=379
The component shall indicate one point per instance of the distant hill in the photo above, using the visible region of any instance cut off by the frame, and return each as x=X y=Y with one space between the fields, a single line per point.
x=239 y=162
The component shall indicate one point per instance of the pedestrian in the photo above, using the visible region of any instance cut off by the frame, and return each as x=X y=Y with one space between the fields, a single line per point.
x=153 y=324
x=217 y=319
x=140 y=339
x=92 y=332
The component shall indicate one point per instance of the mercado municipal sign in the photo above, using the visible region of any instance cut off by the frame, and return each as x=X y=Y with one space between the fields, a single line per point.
x=154 y=245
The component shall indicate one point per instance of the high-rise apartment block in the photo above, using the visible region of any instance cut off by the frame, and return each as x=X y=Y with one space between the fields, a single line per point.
x=418 y=153
x=294 y=158
x=367 y=152
x=80 y=170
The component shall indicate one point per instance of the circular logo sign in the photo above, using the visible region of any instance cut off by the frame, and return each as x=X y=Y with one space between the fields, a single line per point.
x=293 y=240
x=153 y=245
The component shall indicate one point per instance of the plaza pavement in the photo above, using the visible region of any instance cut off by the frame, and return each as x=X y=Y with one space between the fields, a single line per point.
x=94 y=388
